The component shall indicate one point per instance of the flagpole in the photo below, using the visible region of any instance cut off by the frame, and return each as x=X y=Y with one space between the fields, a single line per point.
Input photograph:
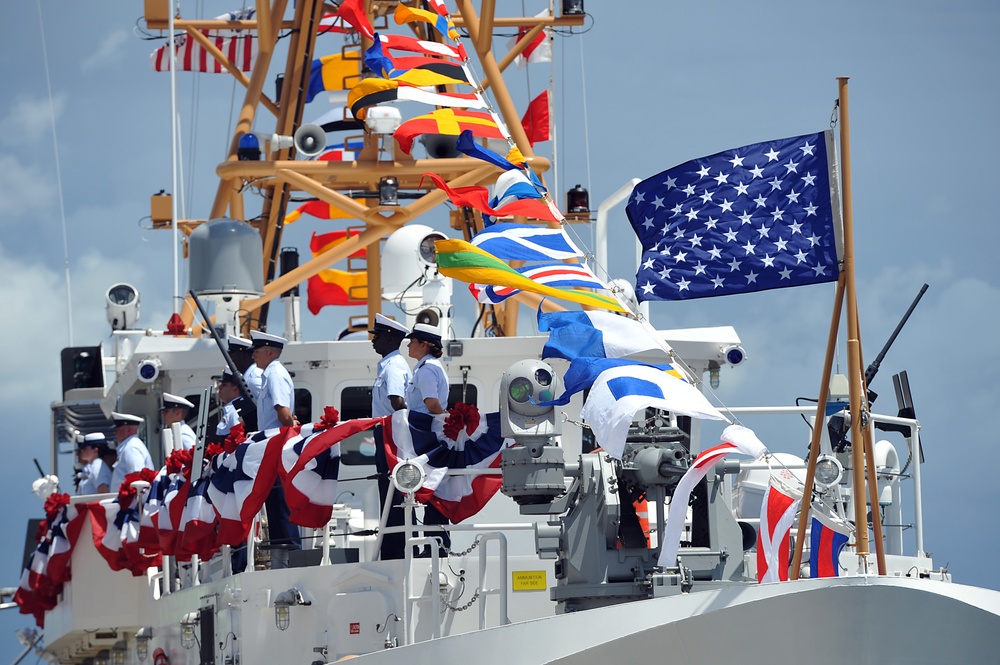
x=858 y=401
x=817 y=433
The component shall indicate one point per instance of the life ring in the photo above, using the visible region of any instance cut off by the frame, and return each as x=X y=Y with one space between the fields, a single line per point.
x=160 y=657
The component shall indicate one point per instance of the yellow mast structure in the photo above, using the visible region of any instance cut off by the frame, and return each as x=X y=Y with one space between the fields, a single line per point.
x=279 y=174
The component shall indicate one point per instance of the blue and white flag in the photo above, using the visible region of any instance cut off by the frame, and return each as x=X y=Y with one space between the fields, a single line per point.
x=525 y=242
x=619 y=392
x=583 y=371
x=761 y=216
x=596 y=334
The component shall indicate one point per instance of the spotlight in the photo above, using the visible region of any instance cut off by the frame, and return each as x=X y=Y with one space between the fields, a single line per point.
x=408 y=477
x=829 y=471
x=122 y=306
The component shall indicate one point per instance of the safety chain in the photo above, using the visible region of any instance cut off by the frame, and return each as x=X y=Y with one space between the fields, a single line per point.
x=472 y=600
x=474 y=545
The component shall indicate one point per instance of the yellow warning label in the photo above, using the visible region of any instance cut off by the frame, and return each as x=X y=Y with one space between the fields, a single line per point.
x=528 y=580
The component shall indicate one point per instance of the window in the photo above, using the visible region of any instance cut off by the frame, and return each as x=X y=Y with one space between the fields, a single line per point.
x=356 y=402
x=303 y=405
x=359 y=449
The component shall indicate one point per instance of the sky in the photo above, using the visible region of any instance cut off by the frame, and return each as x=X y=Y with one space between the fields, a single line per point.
x=647 y=86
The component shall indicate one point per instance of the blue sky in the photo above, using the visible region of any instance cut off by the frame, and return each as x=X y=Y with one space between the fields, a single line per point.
x=660 y=83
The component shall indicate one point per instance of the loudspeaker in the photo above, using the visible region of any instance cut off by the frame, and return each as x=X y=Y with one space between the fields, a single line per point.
x=310 y=140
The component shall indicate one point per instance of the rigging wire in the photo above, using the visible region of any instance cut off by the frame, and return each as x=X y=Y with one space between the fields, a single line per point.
x=59 y=187
x=173 y=151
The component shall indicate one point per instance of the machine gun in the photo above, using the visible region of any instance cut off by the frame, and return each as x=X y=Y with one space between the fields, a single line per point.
x=874 y=366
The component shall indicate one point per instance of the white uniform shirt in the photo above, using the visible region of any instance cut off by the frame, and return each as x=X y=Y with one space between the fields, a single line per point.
x=227 y=419
x=276 y=389
x=253 y=378
x=93 y=475
x=132 y=456
x=188 y=438
x=429 y=380
x=393 y=377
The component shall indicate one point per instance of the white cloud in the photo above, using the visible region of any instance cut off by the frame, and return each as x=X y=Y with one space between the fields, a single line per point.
x=28 y=119
x=25 y=192
x=109 y=50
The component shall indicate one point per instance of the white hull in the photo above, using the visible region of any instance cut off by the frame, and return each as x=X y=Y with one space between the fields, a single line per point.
x=837 y=620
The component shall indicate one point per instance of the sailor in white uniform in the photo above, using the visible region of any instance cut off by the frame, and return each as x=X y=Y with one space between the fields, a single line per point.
x=241 y=351
x=392 y=377
x=132 y=452
x=95 y=476
x=427 y=392
x=276 y=405
x=231 y=400
x=175 y=409
x=276 y=408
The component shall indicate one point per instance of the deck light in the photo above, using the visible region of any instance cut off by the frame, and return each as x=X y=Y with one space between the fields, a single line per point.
x=188 y=623
x=118 y=653
x=282 y=607
x=142 y=639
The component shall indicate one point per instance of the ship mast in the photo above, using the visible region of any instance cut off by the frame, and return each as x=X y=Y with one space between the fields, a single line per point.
x=279 y=174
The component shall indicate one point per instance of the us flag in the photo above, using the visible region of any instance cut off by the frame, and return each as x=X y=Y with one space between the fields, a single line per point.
x=761 y=216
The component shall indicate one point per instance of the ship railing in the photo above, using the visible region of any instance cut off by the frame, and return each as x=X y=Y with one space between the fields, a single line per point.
x=434 y=595
x=913 y=451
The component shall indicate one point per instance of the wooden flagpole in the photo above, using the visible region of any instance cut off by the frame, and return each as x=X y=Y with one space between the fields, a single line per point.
x=860 y=432
x=824 y=394
x=861 y=437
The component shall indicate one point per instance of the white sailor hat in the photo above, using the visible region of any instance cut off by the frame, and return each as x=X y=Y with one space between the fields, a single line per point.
x=175 y=402
x=92 y=440
x=425 y=333
x=383 y=324
x=261 y=339
x=122 y=419
x=238 y=343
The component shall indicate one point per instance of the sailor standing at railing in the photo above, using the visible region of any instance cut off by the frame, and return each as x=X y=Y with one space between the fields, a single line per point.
x=427 y=392
x=132 y=452
x=276 y=409
x=232 y=401
x=175 y=409
x=241 y=351
x=95 y=476
x=392 y=377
